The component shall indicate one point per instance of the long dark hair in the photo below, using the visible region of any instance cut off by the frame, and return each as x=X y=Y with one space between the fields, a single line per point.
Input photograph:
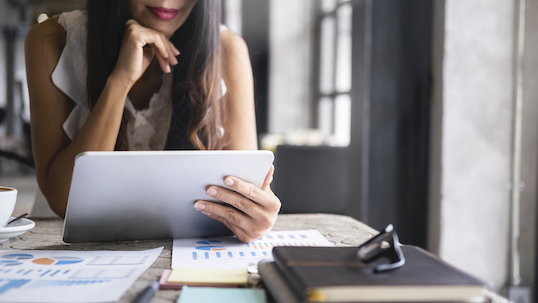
x=197 y=110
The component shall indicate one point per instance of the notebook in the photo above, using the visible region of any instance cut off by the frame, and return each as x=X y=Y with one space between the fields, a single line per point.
x=211 y=277
x=117 y=196
x=335 y=274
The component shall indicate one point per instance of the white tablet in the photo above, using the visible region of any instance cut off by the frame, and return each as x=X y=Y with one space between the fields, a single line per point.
x=117 y=196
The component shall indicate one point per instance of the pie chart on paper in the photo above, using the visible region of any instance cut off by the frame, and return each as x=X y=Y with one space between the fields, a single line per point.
x=57 y=260
x=14 y=259
x=10 y=263
x=210 y=245
x=211 y=248
x=206 y=242
x=18 y=256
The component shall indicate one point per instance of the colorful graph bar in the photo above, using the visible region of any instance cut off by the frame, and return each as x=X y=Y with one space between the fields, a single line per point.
x=12 y=284
x=53 y=274
x=43 y=274
x=52 y=283
x=9 y=263
x=213 y=249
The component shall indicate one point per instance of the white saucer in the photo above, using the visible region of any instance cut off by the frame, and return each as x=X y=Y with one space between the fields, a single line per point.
x=16 y=228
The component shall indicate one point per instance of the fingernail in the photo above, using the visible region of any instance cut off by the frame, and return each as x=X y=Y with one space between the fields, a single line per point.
x=211 y=191
x=199 y=206
x=229 y=181
x=207 y=214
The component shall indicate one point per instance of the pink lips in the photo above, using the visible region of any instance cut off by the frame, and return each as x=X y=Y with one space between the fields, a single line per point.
x=163 y=13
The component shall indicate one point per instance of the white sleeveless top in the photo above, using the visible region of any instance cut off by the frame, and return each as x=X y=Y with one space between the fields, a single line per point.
x=147 y=129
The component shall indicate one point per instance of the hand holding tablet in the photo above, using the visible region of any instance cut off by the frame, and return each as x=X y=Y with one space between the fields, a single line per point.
x=117 y=196
x=254 y=209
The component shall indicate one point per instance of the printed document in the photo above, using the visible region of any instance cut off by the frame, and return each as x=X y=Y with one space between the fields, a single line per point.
x=229 y=252
x=70 y=276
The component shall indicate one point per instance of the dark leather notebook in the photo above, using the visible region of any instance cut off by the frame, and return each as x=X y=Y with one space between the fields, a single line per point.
x=335 y=274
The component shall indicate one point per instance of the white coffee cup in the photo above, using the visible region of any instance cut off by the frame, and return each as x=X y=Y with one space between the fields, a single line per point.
x=8 y=198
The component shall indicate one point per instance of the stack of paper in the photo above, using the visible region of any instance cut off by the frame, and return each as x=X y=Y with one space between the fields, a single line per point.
x=224 y=261
x=219 y=277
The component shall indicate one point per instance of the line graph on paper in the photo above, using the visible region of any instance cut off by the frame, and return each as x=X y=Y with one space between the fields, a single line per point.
x=228 y=252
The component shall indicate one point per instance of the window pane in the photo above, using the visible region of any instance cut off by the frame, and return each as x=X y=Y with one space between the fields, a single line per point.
x=327 y=55
x=233 y=15
x=342 y=122
x=326 y=116
x=328 y=6
x=343 y=56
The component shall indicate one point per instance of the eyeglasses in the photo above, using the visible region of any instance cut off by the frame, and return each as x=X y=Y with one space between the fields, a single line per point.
x=385 y=244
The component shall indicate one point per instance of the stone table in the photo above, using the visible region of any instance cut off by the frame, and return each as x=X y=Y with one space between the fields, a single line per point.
x=47 y=235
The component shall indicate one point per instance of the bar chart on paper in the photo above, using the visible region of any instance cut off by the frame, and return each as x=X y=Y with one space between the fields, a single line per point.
x=229 y=252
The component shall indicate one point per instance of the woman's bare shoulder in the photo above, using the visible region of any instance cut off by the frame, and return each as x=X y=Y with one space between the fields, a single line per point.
x=46 y=40
x=232 y=45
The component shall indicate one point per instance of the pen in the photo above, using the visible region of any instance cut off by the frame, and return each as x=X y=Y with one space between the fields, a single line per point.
x=147 y=293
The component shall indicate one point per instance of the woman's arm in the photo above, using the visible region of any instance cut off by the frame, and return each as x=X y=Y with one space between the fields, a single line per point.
x=53 y=151
x=258 y=207
x=240 y=120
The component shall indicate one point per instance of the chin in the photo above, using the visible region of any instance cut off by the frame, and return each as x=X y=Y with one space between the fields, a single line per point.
x=166 y=30
x=164 y=16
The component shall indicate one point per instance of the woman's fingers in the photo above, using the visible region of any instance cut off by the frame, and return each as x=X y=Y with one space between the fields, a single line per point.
x=247 y=206
x=244 y=227
x=262 y=196
x=174 y=49
x=140 y=46
x=241 y=234
x=164 y=63
x=268 y=178
x=164 y=49
x=250 y=211
x=146 y=36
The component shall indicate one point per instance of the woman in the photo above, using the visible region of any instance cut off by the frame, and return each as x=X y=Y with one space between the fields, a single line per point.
x=134 y=91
